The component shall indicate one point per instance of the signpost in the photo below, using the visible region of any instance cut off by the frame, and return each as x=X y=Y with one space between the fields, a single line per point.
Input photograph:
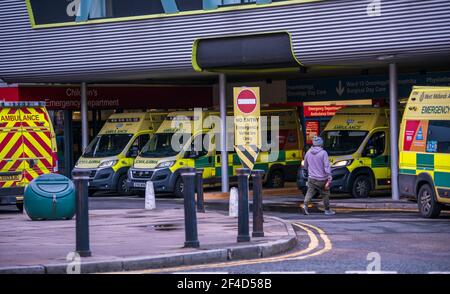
x=247 y=142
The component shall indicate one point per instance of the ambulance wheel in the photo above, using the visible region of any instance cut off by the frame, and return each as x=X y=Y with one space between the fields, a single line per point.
x=276 y=179
x=179 y=187
x=426 y=200
x=361 y=187
x=122 y=188
x=19 y=206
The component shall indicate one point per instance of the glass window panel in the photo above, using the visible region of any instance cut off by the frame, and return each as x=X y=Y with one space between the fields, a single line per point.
x=63 y=11
x=438 y=139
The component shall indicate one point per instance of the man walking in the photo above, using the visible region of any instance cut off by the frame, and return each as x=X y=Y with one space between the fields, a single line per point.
x=319 y=175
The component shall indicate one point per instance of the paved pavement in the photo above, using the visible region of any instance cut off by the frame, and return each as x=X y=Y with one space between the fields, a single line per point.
x=130 y=233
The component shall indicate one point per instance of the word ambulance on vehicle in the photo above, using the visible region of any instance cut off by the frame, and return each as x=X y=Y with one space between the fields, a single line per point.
x=27 y=148
x=109 y=156
x=160 y=161
x=424 y=144
x=356 y=140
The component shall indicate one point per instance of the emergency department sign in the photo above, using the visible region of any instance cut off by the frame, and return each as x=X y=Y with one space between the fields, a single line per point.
x=247 y=129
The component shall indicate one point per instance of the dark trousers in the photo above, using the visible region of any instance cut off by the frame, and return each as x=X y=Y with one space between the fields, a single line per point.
x=315 y=186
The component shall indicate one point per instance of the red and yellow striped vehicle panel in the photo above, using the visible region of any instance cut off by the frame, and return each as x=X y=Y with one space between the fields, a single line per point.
x=27 y=145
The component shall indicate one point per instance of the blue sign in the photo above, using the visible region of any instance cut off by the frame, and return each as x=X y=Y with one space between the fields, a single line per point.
x=360 y=87
x=419 y=135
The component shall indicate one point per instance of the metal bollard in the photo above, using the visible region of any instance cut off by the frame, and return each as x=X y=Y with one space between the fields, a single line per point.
x=243 y=223
x=190 y=217
x=81 y=179
x=258 y=218
x=199 y=189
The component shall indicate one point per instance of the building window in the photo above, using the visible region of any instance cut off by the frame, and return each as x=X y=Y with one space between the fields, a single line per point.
x=235 y=2
x=48 y=12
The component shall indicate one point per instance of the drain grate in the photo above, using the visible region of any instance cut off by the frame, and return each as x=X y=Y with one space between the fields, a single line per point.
x=135 y=216
x=165 y=227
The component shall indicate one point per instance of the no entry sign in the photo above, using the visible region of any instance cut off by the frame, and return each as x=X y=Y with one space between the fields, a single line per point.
x=246 y=101
x=247 y=130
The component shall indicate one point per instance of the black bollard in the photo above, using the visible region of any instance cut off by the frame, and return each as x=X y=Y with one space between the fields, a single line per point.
x=243 y=223
x=81 y=179
x=199 y=189
x=258 y=218
x=190 y=217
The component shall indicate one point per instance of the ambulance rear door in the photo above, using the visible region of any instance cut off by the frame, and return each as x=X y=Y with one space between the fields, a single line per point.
x=37 y=142
x=11 y=147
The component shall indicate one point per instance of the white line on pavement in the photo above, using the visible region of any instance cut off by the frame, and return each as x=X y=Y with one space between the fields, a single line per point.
x=439 y=273
x=200 y=273
x=289 y=273
x=371 y=272
x=373 y=219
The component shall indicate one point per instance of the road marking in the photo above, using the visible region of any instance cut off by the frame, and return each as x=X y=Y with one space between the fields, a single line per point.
x=327 y=244
x=313 y=244
x=350 y=220
x=439 y=273
x=200 y=273
x=371 y=272
x=288 y=273
x=374 y=209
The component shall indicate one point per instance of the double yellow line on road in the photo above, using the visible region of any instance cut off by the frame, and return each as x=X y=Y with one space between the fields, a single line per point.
x=318 y=244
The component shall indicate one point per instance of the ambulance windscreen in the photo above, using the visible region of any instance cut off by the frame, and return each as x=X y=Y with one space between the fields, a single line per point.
x=107 y=145
x=164 y=145
x=342 y=142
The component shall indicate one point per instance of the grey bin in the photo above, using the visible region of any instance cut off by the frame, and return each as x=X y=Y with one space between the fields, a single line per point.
x=50 y=197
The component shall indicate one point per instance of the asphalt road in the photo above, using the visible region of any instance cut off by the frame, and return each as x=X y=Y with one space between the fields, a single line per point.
x=349 y=242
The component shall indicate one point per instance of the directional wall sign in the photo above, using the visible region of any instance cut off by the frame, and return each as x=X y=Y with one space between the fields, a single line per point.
x=360 y=87
x=247 y=129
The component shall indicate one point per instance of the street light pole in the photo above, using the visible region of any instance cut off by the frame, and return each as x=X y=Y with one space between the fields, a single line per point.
x=393 y=129
x=84 y=117
x=223 y=131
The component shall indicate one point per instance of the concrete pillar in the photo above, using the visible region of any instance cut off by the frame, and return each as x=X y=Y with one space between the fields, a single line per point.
x=84 y=118
x=223 y=131
x=393 y=126
x=68 y=143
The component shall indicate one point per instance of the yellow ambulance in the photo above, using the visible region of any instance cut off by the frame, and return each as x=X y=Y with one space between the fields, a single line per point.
x=27 y=148
x=424 y=144
x=357 y=142
x=109 y=156
x=161 y=159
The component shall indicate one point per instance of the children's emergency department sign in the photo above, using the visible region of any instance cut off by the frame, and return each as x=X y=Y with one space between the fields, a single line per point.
x=247 y=129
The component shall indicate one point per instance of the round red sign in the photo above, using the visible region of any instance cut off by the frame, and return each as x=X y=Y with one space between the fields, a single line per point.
x=246 y=101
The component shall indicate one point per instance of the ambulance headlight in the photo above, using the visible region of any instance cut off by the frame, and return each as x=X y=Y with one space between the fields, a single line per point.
x=107 y=163
x=165 y=164
x=342 y=163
